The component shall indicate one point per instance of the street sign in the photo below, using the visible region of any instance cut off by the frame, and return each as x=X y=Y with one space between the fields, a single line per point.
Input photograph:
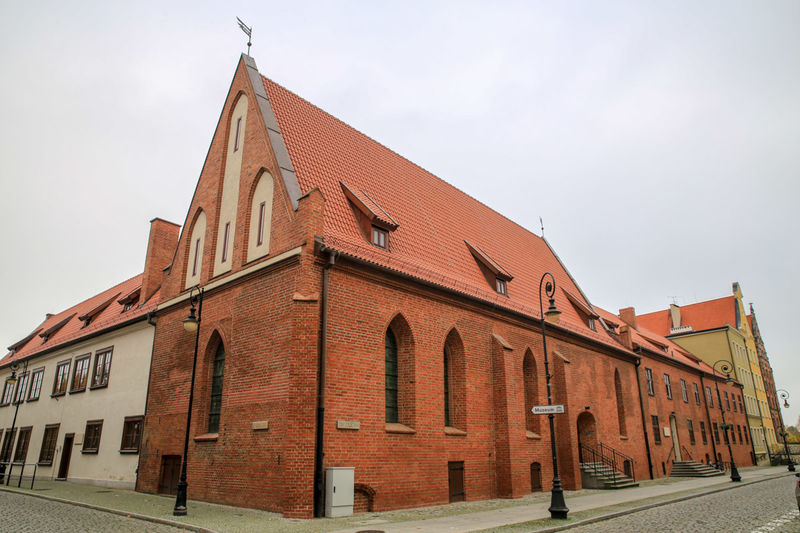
x=547 y=409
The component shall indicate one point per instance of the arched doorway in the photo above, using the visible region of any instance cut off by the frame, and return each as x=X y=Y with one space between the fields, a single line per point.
x=587 y=432
x=676 y=444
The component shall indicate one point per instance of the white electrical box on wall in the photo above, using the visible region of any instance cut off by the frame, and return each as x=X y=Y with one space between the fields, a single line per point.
x=339 y=482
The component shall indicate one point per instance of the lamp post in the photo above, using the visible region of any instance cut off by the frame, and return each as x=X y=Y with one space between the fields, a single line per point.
x=12 y=380
x=192 y=325
x=725 y=366
x=558 y=507
x=785 y=397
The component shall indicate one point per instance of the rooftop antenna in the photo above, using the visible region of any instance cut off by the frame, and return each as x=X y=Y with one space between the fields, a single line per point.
x=674 y=300
x=248 y=30
x=541 y=223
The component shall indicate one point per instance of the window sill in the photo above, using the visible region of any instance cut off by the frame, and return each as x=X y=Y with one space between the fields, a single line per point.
x=77 y=390
x=57 y=394
x=4 y=404
x=207 y=437
x=29 y=400
x=89 y=451
x=450 y=430
x=103 y=386
x=533 y=436
x=623 y=437
x=129 y=452
x=399 y=428
x=45 y=463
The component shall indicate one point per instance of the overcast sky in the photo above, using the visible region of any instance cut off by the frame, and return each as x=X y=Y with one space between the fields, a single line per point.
x=659 y=141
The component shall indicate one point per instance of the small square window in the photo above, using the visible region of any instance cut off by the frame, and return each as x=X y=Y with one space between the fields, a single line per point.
x=131 y=434
x=380 y=237
x=91 y=439
x=502 y=287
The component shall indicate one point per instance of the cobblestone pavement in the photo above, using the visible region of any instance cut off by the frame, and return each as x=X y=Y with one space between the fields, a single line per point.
x=23 y=514
x=758 y=508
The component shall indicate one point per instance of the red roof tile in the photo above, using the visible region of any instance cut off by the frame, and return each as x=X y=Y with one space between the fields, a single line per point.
x=73 y=328
x=700 y=316
x=433 y=217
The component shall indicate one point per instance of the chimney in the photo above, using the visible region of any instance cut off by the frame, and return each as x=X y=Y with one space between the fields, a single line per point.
x=625 y=337
x=628 y=315
x=160 y=249
x=675 y=316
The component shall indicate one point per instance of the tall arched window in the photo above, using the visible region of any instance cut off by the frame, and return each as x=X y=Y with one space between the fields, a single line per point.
x=391 y=378
x=455 y=395
x=216 y=389
x=532 y=423
x=260 y=218
x=620 y=403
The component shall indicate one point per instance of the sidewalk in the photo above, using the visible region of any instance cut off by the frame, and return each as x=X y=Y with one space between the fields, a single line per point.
x=460 y=517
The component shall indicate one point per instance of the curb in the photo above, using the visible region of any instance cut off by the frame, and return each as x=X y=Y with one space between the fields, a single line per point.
x=624 y=512
x=126 y=514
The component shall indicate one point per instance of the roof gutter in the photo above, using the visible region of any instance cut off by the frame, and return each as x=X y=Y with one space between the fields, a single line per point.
x=67 y=344
x=518 y=314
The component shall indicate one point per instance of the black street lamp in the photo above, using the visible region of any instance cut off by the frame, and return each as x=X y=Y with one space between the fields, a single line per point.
x=785 y=397
x=192 y=325
x=725 y=366
x=12 y=380
x=558 y=507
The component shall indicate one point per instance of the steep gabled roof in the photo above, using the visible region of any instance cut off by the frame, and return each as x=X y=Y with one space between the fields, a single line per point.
x=433 y=218
x=67 y=326
x=700 y=316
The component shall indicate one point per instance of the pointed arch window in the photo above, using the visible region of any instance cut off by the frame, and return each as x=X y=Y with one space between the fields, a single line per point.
x=532 y=422
x=216 y=389
x=620 y=404
x=455 y=401
x=260 y=217
x=391 y=378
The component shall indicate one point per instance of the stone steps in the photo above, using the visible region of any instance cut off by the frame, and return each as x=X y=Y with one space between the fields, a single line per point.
x=693 y=469
x=600 y=476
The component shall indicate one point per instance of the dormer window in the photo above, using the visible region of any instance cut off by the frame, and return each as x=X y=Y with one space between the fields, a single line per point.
x=373 y=220
x=590 y=323
x=380 y=237
x=502 y=287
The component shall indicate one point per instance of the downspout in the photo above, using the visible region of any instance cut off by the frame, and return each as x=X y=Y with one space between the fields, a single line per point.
x=151 y=320
x=319 y=453
x=644 y=422
x=710 y=425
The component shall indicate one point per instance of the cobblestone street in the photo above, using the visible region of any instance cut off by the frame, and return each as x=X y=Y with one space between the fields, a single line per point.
x=25 y=514
x=759 y=508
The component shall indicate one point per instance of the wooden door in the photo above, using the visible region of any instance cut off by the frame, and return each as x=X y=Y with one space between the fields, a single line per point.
x=170 y=474
x=456 y=481
x=536 y=477
x=66 y=455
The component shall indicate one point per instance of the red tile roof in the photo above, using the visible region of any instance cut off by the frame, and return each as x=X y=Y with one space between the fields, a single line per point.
x=73 y=328
x=654 y=342
x=433 y=217
x=700 y=316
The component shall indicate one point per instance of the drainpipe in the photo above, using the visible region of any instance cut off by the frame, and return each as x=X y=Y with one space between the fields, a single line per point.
x=644 y=422
x=319 y=453
x=710 y=425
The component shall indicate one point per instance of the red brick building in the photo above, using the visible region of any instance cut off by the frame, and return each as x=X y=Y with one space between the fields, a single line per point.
x=360 y=312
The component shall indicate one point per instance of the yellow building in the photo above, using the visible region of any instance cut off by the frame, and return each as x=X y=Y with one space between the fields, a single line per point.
x=718 y=330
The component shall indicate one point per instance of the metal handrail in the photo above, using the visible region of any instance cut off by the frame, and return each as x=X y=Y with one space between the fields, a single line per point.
x=684 y=450
x=610 y=457
x=10 y=466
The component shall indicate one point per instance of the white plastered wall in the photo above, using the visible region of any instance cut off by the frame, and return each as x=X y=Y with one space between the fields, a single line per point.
x=263 y=193
x=124 y=396
x=230 y=187
x=198 y=232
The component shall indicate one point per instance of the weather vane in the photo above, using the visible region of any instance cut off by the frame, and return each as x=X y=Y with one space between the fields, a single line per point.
x=248 y=30
x=542 y=224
